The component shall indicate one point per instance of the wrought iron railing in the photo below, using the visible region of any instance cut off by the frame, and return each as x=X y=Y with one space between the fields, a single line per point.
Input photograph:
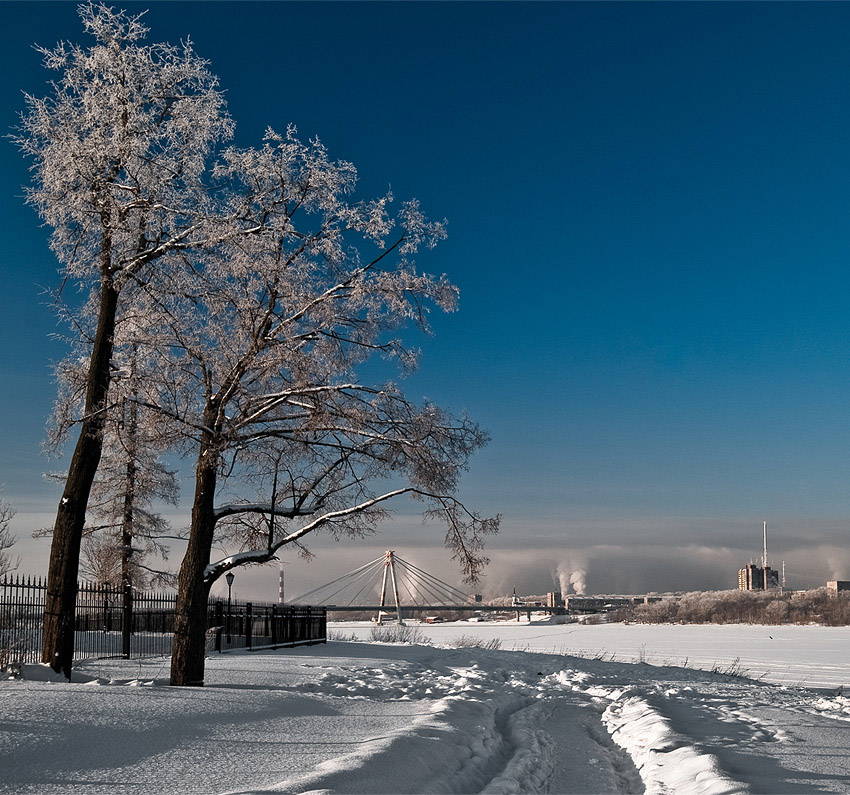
x=107 y=625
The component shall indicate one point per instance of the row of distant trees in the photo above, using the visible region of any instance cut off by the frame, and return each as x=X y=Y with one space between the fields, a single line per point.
x=220 y=303
x=7 y=561
x=818 y=606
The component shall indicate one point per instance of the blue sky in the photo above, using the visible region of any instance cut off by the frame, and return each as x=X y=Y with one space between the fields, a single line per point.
x=649 y=221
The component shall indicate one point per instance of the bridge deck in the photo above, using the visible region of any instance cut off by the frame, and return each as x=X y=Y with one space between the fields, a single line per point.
x=466 y=608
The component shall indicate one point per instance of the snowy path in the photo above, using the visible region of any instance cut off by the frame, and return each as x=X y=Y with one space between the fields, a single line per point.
x=369 y=718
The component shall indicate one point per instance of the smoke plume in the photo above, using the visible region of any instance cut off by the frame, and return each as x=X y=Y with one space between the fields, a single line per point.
x=571 y=578
x=577 y=580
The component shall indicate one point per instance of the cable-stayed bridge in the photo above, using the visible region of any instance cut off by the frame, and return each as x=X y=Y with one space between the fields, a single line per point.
x=389 y=585
x=386 y=586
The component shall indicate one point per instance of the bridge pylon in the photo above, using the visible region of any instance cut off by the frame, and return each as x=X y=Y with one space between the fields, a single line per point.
x=376 y=587
x=389 y=567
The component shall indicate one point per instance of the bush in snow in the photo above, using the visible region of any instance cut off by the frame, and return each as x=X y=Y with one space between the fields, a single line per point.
x=465 y=641
x=396 y=633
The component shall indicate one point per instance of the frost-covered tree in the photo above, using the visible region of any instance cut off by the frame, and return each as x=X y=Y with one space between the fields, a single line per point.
x=124 y=537
x=123 y=533
x=259 y=345
x=7 y=540
x=118 y=152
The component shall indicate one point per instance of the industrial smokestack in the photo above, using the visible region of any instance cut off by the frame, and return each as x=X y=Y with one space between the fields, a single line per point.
x=280 y=592
x=764 y=559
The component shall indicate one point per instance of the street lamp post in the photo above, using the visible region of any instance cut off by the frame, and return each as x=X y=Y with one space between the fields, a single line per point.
x=230 y=577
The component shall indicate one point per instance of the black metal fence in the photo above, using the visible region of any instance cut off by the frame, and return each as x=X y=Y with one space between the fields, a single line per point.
x=251 y=625
x=108 y=626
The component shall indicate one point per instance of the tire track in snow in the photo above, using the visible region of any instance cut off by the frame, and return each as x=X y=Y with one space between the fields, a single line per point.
x=627 y=776
x=525 y=737
x=506 y=754
x=493 y=730
x=500 y=730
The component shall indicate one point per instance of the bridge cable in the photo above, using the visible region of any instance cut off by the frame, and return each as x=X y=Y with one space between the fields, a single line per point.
x=449 y=590
x=429 y=592
x=405 y=585
x=348 y=576
x=365 y=576
x=367 y=579
x=455 y=593
x=367 y=586
x=423 y=585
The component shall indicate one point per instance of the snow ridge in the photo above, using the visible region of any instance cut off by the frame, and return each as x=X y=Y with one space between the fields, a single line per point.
x=668 y=762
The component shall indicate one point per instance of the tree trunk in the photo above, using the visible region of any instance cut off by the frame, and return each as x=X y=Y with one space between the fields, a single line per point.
x=187 y=655
x=127 y=523
x=61 y=598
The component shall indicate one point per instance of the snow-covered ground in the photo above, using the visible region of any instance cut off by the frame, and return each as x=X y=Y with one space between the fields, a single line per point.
x=813 y=656
x=354 y=717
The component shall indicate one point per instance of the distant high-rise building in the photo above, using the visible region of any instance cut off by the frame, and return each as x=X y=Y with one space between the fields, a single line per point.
x=554 y=599
x=757 y=578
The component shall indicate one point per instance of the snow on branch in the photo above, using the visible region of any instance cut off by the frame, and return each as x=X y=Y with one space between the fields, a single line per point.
x=259 y=507
x=464 y=535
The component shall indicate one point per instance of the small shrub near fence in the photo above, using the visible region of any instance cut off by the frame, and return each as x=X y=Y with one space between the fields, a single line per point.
x=101 y=615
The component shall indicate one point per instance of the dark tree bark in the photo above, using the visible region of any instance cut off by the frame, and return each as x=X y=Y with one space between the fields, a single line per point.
x=127 y=527
x=187 y=655
x=61 y=597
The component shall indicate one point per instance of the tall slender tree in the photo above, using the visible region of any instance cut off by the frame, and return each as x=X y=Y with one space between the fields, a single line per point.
x=119 y=149
x=7 y=540
x=123 y=531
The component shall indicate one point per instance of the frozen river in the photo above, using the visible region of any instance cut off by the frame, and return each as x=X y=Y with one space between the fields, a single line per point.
x=811 y=656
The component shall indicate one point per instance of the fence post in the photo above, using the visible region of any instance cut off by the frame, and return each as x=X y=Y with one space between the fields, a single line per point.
x=106 y=616
x=274 y=625
x=126 y=620
x=218 y=622
x=248 y=625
